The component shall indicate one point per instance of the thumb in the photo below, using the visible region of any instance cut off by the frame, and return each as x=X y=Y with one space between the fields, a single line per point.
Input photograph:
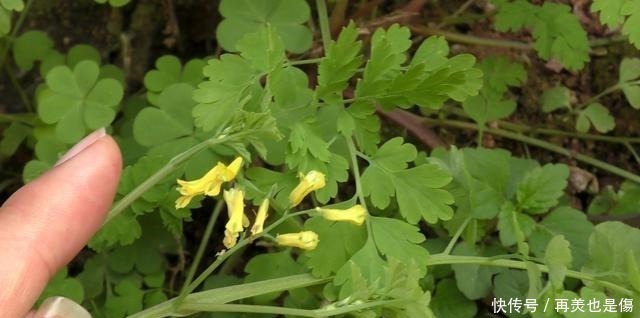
x=48 y=221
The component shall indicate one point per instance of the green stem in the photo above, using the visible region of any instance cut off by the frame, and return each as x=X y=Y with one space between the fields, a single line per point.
x=16 y=29
x=633 y=152
x=607 y=91
x=323 y=17
x=546 y=131
x=203 y=245
x=456 y=236
x=232 y=293
x=356 y=171
x=245 y=241
x=170 y=167
x=316 y=313
x=23 y=96
x=442 y=259
x=25 y=118
x=469 y=39
x=539 y=143
x=309 y=61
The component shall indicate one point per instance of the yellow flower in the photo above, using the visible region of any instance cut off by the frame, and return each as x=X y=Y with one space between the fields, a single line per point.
x=209 y=184
x=312 y=181
x=306 y=240
x=258 y=225
x=235 y=209
x=355 y=214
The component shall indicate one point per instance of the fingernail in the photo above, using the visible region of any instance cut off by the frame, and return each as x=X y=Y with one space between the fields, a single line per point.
x=61 y=307
x=82 y=145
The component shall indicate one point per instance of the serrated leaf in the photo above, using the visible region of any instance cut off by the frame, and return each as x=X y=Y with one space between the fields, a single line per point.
x=341 y=61
x=227 y=90
x=263 y=48
x=614 y=13
x=557 y=32
x=514 y=226
x=399 y=240
x=246 y=16
x=597 y=115
x=542 y=187
x=558 y=259
x=568 y=222
x=417 y=190
x=555 y=98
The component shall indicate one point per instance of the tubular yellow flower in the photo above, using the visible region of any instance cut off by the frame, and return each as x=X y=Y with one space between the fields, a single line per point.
x=306 y=240
x=313 y=180
x=209 y=184
x=258 y=225
x=235 y=208
x=355 y=214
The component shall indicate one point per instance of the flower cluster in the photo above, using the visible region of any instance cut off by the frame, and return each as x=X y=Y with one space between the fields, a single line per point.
x=210 y=185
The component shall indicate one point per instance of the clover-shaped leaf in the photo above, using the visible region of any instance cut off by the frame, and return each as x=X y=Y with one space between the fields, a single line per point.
x=169 y=71
x=247 y=16
x=597 y=115
x=6 y=6
x=77 y=101
x=15 y=5
x=29 y=47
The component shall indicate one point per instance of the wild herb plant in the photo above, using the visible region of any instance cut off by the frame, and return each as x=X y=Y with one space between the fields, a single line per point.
x=348 y=220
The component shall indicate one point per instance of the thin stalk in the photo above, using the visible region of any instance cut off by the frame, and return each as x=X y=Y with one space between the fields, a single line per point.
x=203 y=244
x=170 y=167
x=16 y=29
x=245 y=241
x=23 y=96
x=315 y=313
x=442 y=259
x=323 y=17
x=469 y=39
x=459 y=11
x=607 y=91
x=356 y=171
x=539 y=143
x=25 y=118
x=633 y=152
x=232 y=293
x=456 y=236
x=309 y=61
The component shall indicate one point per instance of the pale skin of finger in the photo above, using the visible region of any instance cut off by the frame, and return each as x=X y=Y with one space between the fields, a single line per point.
x=48 y=221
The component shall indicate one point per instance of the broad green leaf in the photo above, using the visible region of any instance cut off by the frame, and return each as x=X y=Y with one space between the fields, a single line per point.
x=500 y=74
x=615 y=13
x=597 y=115
x=556 y=98
x=339 y=241
x=609 y=246
x=367 y=262
x=417 y=190
x=448 y=301
x=29 y=47
x=568 y=222
x=542 y=187
x=13 y=136
x=511 y=284
x=617 y=203
x=514 y=226
x=271 y=265
x=5 y=21
x=474 y=281
x=62 y=285
x=589 y=295
x=483 y=108
x=558 y=259
x=263 y=49
x=342 y=60
x=557 y=31
x=247 y=16
x=77 y=101
x=15 y=5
